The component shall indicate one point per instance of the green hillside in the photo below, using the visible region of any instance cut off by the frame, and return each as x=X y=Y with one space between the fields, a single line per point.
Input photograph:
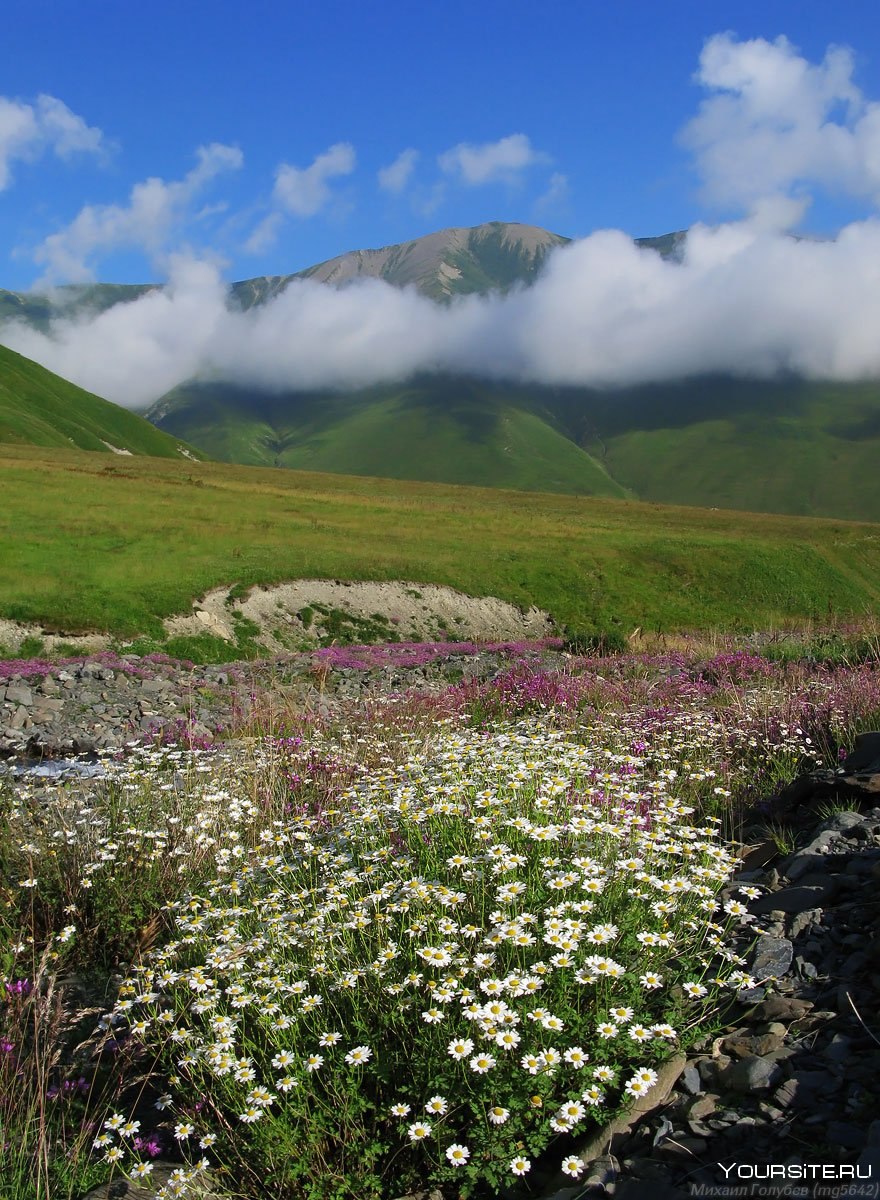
x=41 y=409
x=789 y=446
x=91 y=544
x=441 y=430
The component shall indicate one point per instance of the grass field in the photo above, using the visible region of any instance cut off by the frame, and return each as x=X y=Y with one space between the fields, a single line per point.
x=87 y=544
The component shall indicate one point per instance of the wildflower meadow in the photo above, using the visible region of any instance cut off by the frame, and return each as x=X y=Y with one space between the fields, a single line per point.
x=430 y=939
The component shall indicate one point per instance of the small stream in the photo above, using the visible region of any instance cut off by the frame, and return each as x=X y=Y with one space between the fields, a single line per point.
x=52 y=768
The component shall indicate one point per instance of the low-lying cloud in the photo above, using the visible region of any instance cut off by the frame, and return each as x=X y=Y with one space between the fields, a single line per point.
x=744 y=298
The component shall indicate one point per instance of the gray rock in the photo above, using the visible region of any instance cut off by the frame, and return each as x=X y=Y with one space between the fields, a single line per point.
x=205 y=1187
x=793 y=899
x=601 y=1172
x=690 y=1080
x=803 y=921
x=806 y=1088
x=703 y=1106
x=19 y=694
x=864 y=754
x=841 y=821
x=750 y=1075
x=152 y=687
x=772 y=958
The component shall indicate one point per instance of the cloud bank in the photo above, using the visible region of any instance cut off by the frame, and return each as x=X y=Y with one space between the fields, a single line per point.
x=746 y=297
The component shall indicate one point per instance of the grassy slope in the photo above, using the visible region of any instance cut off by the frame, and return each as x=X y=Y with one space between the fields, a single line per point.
x=42 y=409
x=806 y=448
x=86 y=543
x=432 y=431
x=791 y=446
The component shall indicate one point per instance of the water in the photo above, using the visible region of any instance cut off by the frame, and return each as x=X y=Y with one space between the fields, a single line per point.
x=52 y=768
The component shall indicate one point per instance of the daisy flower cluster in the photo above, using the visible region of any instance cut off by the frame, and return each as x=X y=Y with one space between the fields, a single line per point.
x=486 y=948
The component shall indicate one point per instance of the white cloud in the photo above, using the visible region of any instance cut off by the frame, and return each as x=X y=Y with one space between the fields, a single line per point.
x=396 y=175
x=265 y=234
x=491 y=162
x=29 y=130
x=304 y=191
x=556 y=193
x=777 y=123
x=745 y=299
x=155 y=211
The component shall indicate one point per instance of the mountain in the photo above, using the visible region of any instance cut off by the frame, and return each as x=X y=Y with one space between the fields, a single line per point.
x=432 y=429
x=451 y=262
x=41 y=409
x=785 y=445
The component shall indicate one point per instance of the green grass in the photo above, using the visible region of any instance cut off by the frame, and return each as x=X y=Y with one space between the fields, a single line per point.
x=431 y=430
x=794 y=446
x=42 y=409
x=86 y=544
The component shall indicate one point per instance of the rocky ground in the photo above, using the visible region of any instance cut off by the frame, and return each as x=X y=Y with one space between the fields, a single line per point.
x=49 y=710
x=793 y=1080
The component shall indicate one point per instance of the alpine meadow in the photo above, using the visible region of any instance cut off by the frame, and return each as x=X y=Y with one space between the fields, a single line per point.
x=439 y=601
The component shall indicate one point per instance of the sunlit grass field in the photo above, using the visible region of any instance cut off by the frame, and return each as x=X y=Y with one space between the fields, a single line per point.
x=87 y=544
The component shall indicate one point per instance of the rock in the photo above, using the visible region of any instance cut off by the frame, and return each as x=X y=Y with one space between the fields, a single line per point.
x=793 y=899
x=703 y=1106
x=749 y=1075
x=841 y=821
x=864 y=755
x=760 y=1045
x=19 y=694
x=601 y=1173
x=205 y=1187
x=772 y=957
x=809 y=1086
x=690 y=1079
x=802 y=921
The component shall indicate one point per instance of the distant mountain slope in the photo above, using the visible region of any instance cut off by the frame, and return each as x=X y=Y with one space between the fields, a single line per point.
x=41 y=409
x=491 y=257
x=40 y=308
x=790 y=446
x=433 y=429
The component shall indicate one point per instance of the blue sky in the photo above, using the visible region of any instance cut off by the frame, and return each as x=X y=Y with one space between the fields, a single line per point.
x=264 y=127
